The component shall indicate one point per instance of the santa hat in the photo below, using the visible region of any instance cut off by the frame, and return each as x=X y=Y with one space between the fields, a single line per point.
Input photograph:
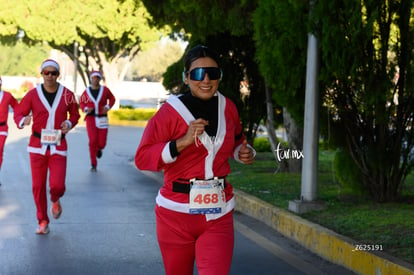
x=50 y=62
x=95 y=73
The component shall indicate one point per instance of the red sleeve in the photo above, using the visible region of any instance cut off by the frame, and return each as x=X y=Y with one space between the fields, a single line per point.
x=161 y=129
x=72 y=107
x=13 y=101
x=23 y=108
x=111 y=98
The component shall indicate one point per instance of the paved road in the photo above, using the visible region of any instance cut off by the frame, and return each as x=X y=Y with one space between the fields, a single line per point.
x=108 y=223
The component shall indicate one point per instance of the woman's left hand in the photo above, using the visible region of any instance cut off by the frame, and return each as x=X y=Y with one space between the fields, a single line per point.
x=246 y=153
x=65 y=127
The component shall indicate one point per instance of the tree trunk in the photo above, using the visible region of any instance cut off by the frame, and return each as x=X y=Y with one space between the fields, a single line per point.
x=295 y=141
x=270 y=122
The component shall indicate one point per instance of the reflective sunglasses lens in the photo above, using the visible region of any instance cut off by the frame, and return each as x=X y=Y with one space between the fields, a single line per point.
x=213 y=73
x=54 y=73
x=198 y=74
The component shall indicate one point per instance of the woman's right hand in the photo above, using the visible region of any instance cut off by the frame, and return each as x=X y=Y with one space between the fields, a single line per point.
x=195 y=129
x=27 y=120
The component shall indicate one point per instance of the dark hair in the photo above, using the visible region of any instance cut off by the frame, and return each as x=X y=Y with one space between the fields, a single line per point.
x=196 y=53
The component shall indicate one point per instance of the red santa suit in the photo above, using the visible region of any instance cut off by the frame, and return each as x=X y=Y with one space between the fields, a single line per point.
x=97 y=122
x=6 y=100
x=44 y=157
x=206 y=158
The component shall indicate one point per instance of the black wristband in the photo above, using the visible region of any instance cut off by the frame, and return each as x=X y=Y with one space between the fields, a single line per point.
x=173 y=149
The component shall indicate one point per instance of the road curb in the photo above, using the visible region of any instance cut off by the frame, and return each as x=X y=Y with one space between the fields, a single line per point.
x=326 y=243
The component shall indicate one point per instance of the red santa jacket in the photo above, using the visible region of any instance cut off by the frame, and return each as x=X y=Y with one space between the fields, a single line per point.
x=6 y=100
x=64 y=108
x=104 y=100
x=204 y=159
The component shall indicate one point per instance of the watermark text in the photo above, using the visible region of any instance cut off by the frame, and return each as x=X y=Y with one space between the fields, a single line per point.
x=288 y=153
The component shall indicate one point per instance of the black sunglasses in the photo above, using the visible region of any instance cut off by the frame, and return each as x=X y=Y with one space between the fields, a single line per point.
x=198 y=74
x=54 y=73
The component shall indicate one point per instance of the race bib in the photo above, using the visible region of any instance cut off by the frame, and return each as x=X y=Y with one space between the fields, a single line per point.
x=51 y=136
x=101 y=122
x=207 y=196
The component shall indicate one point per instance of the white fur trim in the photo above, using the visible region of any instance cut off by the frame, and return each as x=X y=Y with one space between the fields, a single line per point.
x=185 y=207
x=166 y=154
x=95 y=73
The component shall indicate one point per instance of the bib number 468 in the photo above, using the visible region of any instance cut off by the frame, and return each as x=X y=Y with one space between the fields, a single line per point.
x=206 y=198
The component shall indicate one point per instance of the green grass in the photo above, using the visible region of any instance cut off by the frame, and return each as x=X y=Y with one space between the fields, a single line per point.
x=347 y=213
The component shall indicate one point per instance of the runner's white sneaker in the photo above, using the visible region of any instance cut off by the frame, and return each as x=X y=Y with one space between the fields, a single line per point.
x=43 y=228
x=56 y=210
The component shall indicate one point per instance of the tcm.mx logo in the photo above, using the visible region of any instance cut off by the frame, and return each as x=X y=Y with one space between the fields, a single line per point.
x=288 y=153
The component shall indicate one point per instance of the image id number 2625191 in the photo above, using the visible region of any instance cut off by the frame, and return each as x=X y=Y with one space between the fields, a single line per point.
x=367 y=247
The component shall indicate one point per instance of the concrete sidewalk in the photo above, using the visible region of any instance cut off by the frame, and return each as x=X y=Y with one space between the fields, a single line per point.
x=324 y=242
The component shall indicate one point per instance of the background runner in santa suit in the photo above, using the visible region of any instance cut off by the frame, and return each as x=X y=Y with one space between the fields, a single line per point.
x=95 y=102
x=6 y=100
x=55 y=111
x=193 y=136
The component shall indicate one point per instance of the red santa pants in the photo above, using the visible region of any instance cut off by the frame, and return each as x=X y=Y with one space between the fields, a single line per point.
x=185 y=237
x=40 y=164
x=97 y=139
x=2 y=142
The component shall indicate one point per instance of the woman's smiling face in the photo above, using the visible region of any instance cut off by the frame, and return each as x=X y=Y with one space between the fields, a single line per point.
x=206 y=88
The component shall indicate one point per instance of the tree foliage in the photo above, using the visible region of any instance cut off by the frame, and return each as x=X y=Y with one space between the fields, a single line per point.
x=201 y=19
x=152 y=63
x=21 y=59
x=366 y=77
x=281 y=39
x=367 y=57
x=106 y=31
x=280 y=35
